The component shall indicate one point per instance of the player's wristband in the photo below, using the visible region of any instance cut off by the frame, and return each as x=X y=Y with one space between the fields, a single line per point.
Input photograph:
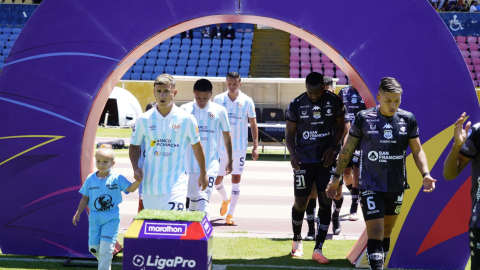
x=425 y=174
x=336 y=175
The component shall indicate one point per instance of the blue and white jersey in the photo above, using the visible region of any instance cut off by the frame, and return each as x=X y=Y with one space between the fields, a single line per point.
x=104 y=195
x=212 y=121
x=166 y=141
x=238 y=111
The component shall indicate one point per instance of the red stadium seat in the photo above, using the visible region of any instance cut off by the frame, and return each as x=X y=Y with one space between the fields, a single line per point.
x=305 y=72
x=461 y=39
x=316 y=65
x=294 y=43
x=477 y=68
x=294 y=50
x=472 y=40
x=294 y=73
x=314 y=50
x=319 y=70
x=476 y=61
x=305 y=50
x=340 y=73
x=315 y=58
x=475 y=54
x=305 y=58
x=463 y=47
x=294 y=65
x=475 y=83
x=328 y=65
x=465 y=53
x=329 y=72
x=294 y=58
x=470 y=67
x=473 y=47
x=325 y=59
x=293 y=37
x=304 y=44
x=306 y=65
x=473 y=75
x=342 y=81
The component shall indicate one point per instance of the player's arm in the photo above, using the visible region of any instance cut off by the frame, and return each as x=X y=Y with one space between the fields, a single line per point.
x=329 y=154
x=254 y=128
x=134 y=154
x=422 y=164
x=200 y=157
x=290 y=131
x=345 y=132
x=81 y=206
x=342 y=162
x=456 y=162
x=227 y=139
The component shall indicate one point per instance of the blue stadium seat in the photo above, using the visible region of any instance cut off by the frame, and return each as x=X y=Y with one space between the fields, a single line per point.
x=197 y=35
x=245 y=64
x=248 y=50
x=234 y=63
x=140 y=62
x=247 y=43
x=222 y=72
x=161 y=62
x=152 y=55
x=215 y=49
x=195 y=49
x=235 y=56
x=203 y=63
x=217 y=42
x=125 y=76
x=237 y=42
x=182 y=62
x=168 y=41
x=180 y=71
x=2 y=59
x=183 y=55
x=190 y=71
x=227 y=43
x=147 y=76
x=162 y=55
x=169 y=70
x=138 y=69
x=213 y=63
x=164 y=47
x=185 y=48
x=194 y=55
x=215 y=56
x=174 y=48
x=246 y=57
x=8 y=44
x=12 y=37
x=244 y=72
x=236 y=49
x=211 y=71
x=172 y=62
x=179 y=36
x=205 y=49
x=206 y=42
x=148 y=69
x=192 y=62
x=156 y=48
x=158 y=70
x=248 y=36
x=204 y=56
x=233 y=69
x=7 y=30
x=176 y=41
x=173 y=55
x=136 y=76
x=143 y=57
x=225 y=56
x=150 y=62
x=226 y=49
x=201 y=71
x=223 y=63
x=238 y=36
x=186 y=41
x=196 y=41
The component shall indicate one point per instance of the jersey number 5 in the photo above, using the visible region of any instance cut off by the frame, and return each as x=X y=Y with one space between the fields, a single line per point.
x=300 y=181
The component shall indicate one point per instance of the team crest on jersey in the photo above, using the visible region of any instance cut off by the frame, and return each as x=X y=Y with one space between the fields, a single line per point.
x=317 y=115
x=211 y=115
x=240 y=105
x=354 y=99
x=176 y=127
x=388 y=134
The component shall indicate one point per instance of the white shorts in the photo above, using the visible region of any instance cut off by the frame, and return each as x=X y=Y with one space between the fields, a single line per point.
x=193 y=188
x=170 y=201
x=238 y=162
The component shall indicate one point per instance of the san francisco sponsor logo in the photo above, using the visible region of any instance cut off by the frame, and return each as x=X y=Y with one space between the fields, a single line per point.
x=313 y=135
x=383 y=156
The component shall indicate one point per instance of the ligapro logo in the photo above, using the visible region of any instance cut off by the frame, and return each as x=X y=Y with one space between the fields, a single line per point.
x=165 y=229
x=161 y=263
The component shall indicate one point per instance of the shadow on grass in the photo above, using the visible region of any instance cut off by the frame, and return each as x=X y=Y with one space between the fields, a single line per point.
x=285 y=260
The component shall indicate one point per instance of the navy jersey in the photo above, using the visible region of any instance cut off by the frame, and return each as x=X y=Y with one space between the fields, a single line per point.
x=315 y=124
x=384 y=143
x=471 y=149
x=353 y=102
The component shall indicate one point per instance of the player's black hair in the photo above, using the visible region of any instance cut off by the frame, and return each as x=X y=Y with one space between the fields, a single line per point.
x=203 y=85
x=314 y=79
x=234 y=75
x=150 y=105
x=328 y=81
x=389 y=84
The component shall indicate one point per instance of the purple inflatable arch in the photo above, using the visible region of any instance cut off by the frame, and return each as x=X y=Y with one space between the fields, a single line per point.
x=71 y=54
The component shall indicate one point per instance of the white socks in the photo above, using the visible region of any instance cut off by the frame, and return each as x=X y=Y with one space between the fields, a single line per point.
x=234 y=198
x=105 y=255
x=221 y=189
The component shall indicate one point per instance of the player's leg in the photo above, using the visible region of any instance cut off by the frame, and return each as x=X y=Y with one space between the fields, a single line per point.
x=192 y=191
x=474 y=235
x=238 y=165
x=204 y=196
x=303 y=180
x=337 y=206
x=219 y=182
x=393 y=205
x=310 y=212
x=93 y=234
x=373 y=208
x=353 y=209
x=108 y=240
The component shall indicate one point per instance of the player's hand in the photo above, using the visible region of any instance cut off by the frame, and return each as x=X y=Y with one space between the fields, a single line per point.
x=76 y=219
x=229 y=168
x=202 y=181
x=138 y=175
x=295 y=161
x=332 y=187
x=255 y=152
x=328 y=157
x=461 y=135
x=428 y=183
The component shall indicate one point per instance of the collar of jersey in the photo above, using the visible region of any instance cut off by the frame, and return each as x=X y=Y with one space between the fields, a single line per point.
x=377 y=109
x=169 y=115
x=206 y=107
x=238 y=99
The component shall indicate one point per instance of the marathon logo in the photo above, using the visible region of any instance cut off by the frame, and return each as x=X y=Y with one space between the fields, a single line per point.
x=165 y=229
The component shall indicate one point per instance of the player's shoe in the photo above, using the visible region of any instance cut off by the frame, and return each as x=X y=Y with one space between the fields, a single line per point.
x=310 y=236
x=224 y=207
x=297 y=249
x=353 y=217
x=336 y=228
x=318 y=256
x=230 y=220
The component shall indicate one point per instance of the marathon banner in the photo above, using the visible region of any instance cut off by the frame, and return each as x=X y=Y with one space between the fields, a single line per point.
x=462 y=23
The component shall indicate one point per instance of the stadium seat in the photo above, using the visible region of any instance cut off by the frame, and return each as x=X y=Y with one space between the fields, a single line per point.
x=213 y=63
x=161 y=62
x=138 y=69
x=201 y=71
x=469 y=60
x=294 y=65
x=305 y=65
x=140 y=62
x=305 y=58
x=317 y=65
x=172 y=62
x=237 y=42
x=329 y=72
x=223 y=63
x=143 y=57
x=180 y=71
x=473 y=76
x=185 y=48
x=244 y=72
x=315 y=58
x=192 y=62
x=173 y=55
x=148 y=69
x=245 y=64
x=235 y=56
x=164 y=47
x=183 y=55
x=179 y=36
x=236 y=49
x=186 y=41
x=217 y=42
x=195 y=49
x=247 y=43
x=176 y=41
x=203 y=63
x=325 y=59
x=226 y=49
x=247 y=50
x=211 y=71
x=222 y=72
x=472 y=40
x=294 y=50
x=190 y=71
x=147 y=76
x=158 y=70
x=339 y=73
x=206 y=42
x=205 y=48
x=125 y=76
x=136 y=76
x=227 y=43
x=294 y=43
x=196 y=35
x=293 y=37
x=16 y=31
x=319 y=70
x=477 y=68
x=233 y=69
x=248 y=36
x=473 y=47
x=215 y=56
x=463 y=46
x=294 y=58
x=342 y=81
x=235 y=64
x=471 y=67
x=150 y=62
x=182 y=62
x=465 y=53
x=196 y=41
x=314 y=50
x=304 y=44
x=225 y=56
x=169 y=70
x=305 y=50
x=7 y=30
x=215 y=49
x=174 y=48
x=238 y=36
x=475 y=54
x=194 y=55
x=245 y=57
x=305 y=72
x=294 y=73
x=162 y=55
x=461 y=39
x=152 y=55
x=273 y=116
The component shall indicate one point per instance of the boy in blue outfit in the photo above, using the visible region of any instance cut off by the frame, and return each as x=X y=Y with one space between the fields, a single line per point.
x=102 y=194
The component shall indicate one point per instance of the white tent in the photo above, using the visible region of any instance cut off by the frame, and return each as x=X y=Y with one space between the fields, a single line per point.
x=129 y=108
